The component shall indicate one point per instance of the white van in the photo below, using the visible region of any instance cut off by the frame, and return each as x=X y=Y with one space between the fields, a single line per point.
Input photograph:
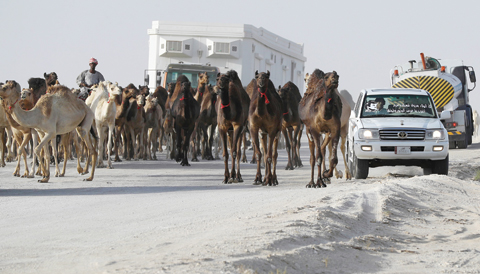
x=396 y=126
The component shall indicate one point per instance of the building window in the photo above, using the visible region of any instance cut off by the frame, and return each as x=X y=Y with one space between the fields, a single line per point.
x=222 y=47
x=187 y=47
x=174 y=46
x=234 y=48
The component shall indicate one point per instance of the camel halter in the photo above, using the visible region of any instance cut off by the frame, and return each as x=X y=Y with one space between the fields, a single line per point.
x=264 y=94
x=224 y=106
x=10 y=107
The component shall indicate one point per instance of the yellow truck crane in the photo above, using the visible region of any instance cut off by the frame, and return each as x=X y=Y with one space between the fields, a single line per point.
x=446 y=81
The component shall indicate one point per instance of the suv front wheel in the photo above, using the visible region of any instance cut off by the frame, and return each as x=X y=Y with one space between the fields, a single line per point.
x=359 y=168
x=440 y=167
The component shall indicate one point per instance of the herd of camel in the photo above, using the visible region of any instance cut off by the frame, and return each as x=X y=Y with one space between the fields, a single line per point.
x=110 y=120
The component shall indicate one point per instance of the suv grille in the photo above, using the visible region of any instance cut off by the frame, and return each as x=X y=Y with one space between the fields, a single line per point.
x=402 y=134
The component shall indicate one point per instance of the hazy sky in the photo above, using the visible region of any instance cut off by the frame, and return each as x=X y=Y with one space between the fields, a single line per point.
x=361 y=40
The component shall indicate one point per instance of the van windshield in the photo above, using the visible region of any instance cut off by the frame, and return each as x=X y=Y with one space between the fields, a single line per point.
x=192 y=77
x=398 y=106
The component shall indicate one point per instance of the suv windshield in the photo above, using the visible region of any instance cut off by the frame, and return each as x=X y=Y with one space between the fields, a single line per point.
x=192 y=77
x=398 y=106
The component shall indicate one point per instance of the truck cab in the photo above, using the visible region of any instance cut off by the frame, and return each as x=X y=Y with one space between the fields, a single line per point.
x=396 y=126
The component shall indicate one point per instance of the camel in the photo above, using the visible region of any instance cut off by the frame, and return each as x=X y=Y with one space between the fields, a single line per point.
x=292 y=125
x=320 y=110
x=185 y=111
x=169 y=122
x=232 y=115
x=40 y=85
x=135 y=129
x=161 y=94
x=105 y=110
x=265 y=116
x=69 y=114
x=207 y=121
x=345 y=117
x=153 y=120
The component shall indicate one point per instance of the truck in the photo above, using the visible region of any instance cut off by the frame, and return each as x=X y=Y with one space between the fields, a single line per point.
x=396 y=126
x=447 y=82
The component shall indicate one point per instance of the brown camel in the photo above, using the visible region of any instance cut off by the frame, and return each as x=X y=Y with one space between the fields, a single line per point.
x=153 y=120
x=161 y=94
x=266 y=117
x=207 y=120
x=232 y=114
x=292 y=125
x=320 y=110
x=168 y=122
x=185 y=111
x=69 y=114
x=39 y=85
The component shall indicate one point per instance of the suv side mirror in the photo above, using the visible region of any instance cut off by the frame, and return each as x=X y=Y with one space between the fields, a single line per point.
x=471 y=74
x=445 y=115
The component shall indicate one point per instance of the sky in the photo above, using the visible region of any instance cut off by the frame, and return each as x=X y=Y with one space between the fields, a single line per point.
x=361 y=40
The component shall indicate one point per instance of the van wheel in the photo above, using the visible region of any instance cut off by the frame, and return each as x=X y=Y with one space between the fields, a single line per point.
x=440 y=167
x=360 y=168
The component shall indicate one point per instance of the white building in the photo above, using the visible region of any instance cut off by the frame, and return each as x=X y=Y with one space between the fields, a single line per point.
x=241 y=47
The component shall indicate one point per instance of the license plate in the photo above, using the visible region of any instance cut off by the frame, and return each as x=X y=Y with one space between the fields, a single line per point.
x=402 y=150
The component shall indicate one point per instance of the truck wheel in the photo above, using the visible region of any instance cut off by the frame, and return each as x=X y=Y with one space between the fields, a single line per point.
x=451 y=145
x=440 y=167
x=361 y=168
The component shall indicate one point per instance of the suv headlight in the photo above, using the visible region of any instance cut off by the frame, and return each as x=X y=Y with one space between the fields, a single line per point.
x=435 y=134
x=369 y=134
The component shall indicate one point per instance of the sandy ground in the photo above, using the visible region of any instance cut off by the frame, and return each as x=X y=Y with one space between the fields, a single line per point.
x=160 y=217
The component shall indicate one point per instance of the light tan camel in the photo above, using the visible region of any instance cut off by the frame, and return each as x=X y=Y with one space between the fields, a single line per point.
x=68 y=114
x=104 y=107
x=153 y=121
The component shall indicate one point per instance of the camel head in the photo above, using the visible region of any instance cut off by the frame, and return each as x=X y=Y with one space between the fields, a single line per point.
x=202 y=79
x=141 y=100
x=9 y=89
x=262 y=78
x=27 y=94
x=186 y=87
x=145 y=90
x=222 y=81
x=170 y=88
x=51 y=78
x=331 y=80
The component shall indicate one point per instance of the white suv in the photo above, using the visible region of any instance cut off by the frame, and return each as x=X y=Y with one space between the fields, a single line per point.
x=396 y=126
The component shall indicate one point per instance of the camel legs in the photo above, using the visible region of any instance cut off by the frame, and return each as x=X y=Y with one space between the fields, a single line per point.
x=236 y=177
x=38 y=150
x=65 y=141
x=297 y=136
x=287 y=134
x=101 y=147
x=223 y=136
x=2 y=147
x=258 y=154
x=91 y=151
x=328 y=173
x=111 y=129
x=270 y=157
